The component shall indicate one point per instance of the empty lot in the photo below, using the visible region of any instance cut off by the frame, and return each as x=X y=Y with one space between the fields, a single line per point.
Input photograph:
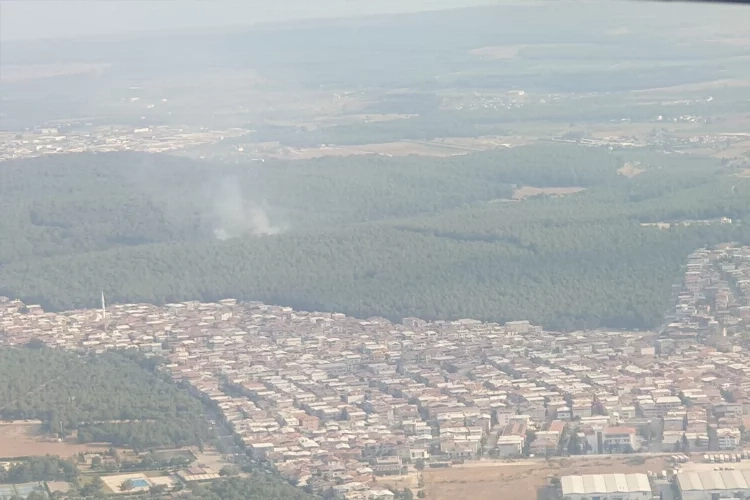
x=519 y=481
x=25 y=439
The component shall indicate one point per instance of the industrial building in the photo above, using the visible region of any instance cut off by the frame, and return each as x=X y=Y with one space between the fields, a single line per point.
x=710 y=485
x=606 y=487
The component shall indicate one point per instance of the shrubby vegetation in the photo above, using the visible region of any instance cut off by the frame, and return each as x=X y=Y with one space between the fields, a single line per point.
x=257 y=487
x=47 y=468
x=370 y=235
x=103 y=398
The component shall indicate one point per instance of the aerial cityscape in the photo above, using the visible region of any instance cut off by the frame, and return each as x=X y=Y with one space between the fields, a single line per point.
x=337 y=403
x=329 y=250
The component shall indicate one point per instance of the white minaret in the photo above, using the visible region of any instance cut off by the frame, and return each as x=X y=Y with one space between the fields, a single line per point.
x=104 y=307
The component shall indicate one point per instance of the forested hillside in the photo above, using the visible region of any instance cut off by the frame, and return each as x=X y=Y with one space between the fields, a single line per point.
x=409 y=236
x=103 y=398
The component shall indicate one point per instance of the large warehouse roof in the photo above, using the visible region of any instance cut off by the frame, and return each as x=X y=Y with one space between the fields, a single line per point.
x=604 y=483
x=714 y=480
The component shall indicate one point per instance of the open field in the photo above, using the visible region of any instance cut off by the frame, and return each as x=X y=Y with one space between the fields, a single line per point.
x=20 y=439
x=398 y=482
x=481 y=143
x=529 y=191
x=442 y=147
x=348 y=119
x=519 y=481
x=737 y=150
x=210 y=458
x=386 y=149
x=685 y=87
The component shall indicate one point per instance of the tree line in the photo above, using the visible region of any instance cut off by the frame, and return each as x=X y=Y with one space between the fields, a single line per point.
x=46 y=468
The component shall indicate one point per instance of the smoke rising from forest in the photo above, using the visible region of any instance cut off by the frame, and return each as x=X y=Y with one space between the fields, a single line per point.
x=236 y=216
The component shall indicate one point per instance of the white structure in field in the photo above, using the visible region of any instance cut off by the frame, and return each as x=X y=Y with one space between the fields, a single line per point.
x=708 y=485
x=606 y=487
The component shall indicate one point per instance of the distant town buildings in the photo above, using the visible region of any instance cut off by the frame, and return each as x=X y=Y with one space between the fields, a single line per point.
x=103 y=139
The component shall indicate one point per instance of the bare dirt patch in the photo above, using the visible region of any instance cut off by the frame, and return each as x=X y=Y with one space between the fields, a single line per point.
x=25 y=439
x=631 y=170
x=481 y=143
x=520 y=481
x=440 y=147
x=410 y=481
x=385 y=149
x=209 y=458
x=529 y=191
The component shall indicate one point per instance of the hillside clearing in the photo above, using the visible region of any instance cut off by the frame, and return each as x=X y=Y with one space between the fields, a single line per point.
x=523 y=192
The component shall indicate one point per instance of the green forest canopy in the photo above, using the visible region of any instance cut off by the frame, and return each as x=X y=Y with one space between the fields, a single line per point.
x=103 y=398
x=46 y=468
x=369 y=235
x=258 y=487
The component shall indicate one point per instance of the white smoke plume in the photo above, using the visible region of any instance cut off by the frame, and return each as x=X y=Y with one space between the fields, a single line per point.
x=235 y=216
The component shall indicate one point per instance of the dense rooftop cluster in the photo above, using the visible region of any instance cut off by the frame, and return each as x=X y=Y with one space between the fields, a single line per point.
x=333 y=401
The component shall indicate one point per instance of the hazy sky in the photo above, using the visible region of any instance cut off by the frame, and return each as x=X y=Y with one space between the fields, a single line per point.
x=34 y=19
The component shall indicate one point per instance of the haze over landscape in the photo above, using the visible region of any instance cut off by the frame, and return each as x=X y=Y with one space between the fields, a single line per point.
x=371 y=250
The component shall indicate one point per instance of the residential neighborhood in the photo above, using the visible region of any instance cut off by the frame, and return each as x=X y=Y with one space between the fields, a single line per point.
x=335 y=402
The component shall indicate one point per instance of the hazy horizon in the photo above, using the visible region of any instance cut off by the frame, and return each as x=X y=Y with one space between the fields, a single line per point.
x=46 y=19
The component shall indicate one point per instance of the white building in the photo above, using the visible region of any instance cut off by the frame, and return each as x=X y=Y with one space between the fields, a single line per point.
x=728 y=439
x=665 y=404
x=619 y=439
x=606 y=487
x=509 y=445
x=708 y=485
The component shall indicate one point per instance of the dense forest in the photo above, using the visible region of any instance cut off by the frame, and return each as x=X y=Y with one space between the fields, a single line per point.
x=370 y=235
x=103 y=398
x=257 y=487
